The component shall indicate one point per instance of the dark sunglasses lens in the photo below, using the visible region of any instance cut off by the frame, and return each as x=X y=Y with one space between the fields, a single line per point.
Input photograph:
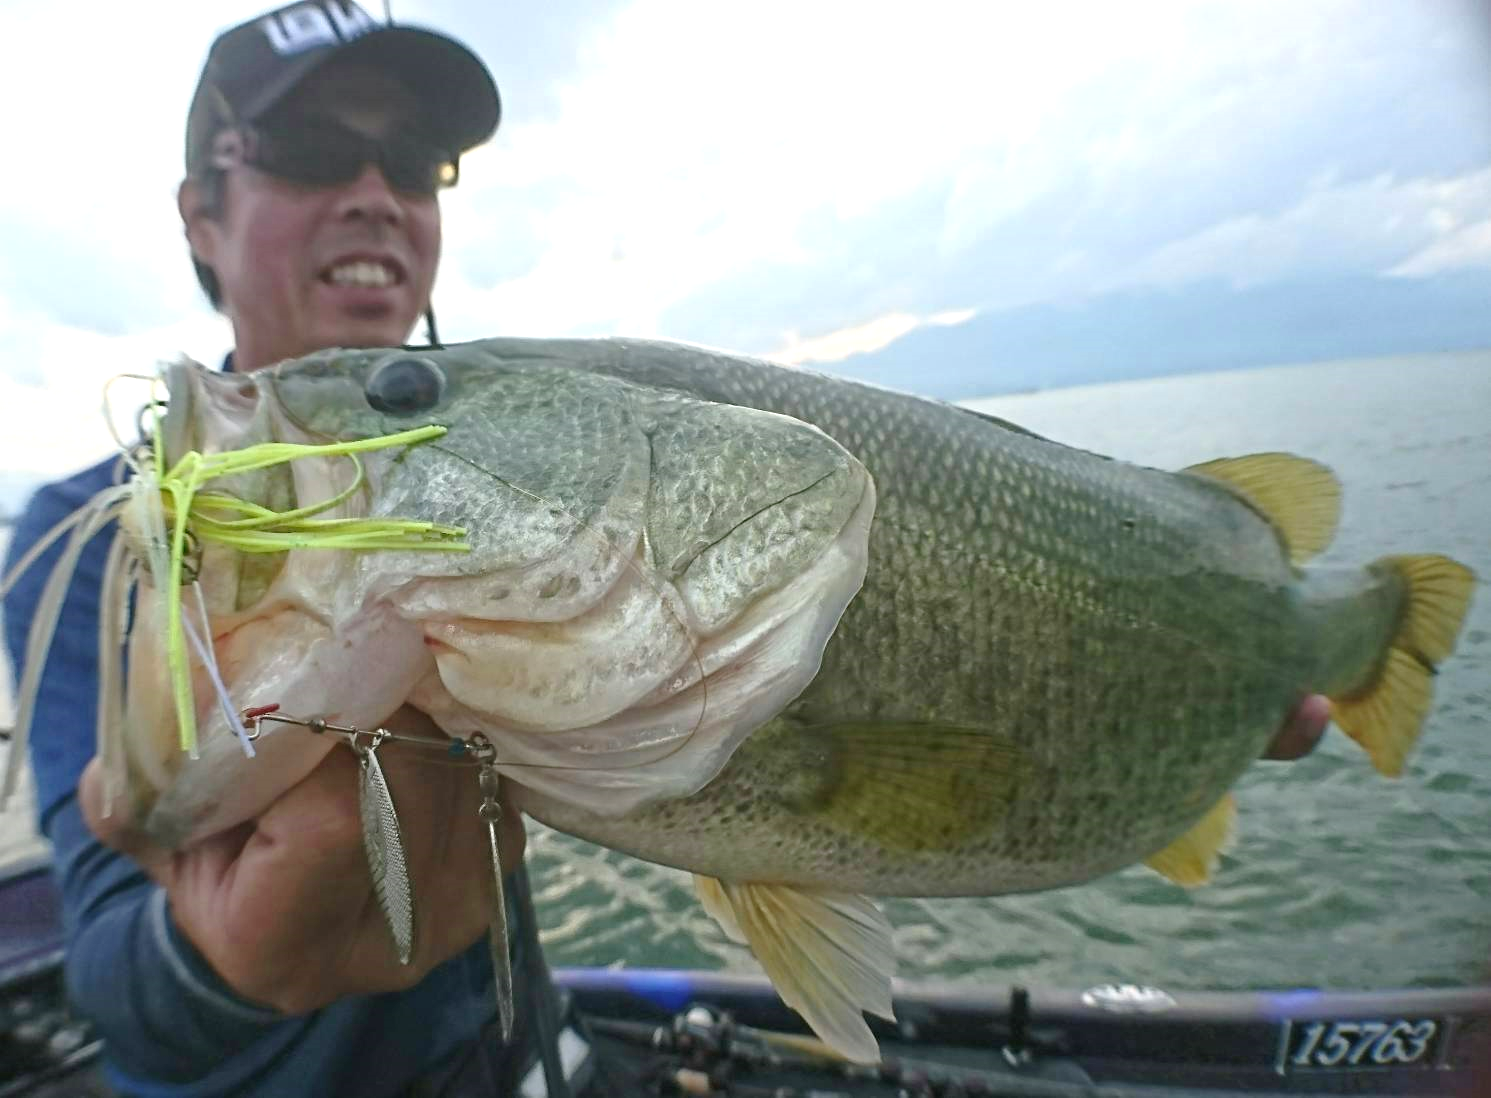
x=416 y=166
x=320 y=153
x=314 y=154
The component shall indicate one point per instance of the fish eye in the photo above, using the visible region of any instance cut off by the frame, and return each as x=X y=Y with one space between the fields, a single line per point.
x=405 y=385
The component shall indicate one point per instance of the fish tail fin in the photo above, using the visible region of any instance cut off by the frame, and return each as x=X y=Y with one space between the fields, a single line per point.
x=1386 y=716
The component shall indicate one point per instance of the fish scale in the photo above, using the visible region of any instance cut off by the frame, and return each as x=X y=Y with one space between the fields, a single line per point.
x=1113 y=621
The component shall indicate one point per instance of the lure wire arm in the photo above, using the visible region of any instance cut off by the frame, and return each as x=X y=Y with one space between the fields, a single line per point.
x=477 y=749
x=385 y=846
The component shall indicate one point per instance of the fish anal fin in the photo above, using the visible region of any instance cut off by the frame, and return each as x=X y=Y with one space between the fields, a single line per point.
x=828 y=954
x=1300 y=497
x=1192 y=859
x=906 y=785
x=1387 y=717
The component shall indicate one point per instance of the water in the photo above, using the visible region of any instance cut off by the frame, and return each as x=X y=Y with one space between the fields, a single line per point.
x=1340 y=878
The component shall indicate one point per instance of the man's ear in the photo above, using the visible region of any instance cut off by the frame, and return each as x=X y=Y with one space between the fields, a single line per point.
x=199 y=219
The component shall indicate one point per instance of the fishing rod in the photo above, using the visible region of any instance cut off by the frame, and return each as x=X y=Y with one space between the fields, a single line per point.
x=712 y=1056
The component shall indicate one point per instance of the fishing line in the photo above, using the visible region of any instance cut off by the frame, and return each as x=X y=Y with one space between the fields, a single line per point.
x=210 y=663
x=81 y=525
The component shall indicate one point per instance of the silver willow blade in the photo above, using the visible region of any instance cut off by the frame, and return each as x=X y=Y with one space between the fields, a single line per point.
x=384 y=843
x=502 y=966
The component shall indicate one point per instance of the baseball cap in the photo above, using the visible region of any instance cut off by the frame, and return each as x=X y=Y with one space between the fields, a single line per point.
x=255 y=65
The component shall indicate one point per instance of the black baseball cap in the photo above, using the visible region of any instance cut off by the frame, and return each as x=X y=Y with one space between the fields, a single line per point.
x=255 y=65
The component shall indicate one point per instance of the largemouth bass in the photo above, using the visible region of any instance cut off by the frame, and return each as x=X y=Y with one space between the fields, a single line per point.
x=1057 y=664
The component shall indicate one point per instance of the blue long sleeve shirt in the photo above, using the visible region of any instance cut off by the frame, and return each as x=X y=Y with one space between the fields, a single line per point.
x=170 y=1024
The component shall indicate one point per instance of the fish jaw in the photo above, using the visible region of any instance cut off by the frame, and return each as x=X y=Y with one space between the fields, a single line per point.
x=284 y=657
x=278 y=634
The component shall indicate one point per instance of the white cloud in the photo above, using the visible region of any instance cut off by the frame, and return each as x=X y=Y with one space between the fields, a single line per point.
x=1457 y=248
x=834 y=346
x=58 y=423
x=862 y=338
x=702 y=142
x=1382 y=225
x=690 y=148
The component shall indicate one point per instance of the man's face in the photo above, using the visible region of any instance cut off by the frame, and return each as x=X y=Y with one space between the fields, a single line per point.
x=305 y=268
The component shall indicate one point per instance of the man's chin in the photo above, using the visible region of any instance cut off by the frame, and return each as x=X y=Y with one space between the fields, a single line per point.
x=381 y=330
x=363 y=316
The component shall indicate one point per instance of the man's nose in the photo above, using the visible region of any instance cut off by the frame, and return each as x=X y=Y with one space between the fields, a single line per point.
x=370 y=197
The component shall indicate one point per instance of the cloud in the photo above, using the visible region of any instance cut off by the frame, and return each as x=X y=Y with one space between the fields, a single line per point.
x=1409 y=227
x=57 y=420
x=1457 y=248
x=864 y=338
x=780 y=176
x=696 y=144
x=708 y=176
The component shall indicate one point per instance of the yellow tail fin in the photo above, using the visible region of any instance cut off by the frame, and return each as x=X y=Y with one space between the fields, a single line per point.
x=1386 y=717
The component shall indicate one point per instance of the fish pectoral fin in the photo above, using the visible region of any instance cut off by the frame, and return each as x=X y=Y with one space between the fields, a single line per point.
x=1386 y=717
x=1192 y=859
x=1300 y=497
x=828 y=954
x=907 y=785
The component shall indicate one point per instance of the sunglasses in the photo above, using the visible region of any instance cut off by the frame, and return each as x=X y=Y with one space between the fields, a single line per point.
x=321 y=152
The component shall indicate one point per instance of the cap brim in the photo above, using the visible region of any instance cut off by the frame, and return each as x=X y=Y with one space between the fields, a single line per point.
x=455 y=89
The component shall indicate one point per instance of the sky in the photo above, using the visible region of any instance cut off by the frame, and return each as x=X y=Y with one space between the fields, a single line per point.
x=957 y=198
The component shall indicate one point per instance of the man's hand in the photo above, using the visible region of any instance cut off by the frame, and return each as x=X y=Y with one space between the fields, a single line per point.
x=1301 y=730
x=283 y=906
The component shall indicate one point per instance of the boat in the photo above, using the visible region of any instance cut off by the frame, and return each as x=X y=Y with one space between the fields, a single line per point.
x=628 y=1031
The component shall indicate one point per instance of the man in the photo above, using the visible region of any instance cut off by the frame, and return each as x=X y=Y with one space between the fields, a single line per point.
x=256 y=962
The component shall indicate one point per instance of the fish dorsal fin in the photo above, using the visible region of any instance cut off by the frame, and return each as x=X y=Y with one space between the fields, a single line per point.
x=907 y=785
x=828 y=954
x=1302 y=498
x=1191 y=859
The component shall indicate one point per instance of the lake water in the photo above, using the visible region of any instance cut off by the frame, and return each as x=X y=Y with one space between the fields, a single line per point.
x=1340 y=878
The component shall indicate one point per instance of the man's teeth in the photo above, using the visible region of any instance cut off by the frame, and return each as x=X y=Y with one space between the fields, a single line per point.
x=361 y=274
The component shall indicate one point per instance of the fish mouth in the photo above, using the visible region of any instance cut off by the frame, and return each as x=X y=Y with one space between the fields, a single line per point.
x=207 y=410
x=272 y=635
